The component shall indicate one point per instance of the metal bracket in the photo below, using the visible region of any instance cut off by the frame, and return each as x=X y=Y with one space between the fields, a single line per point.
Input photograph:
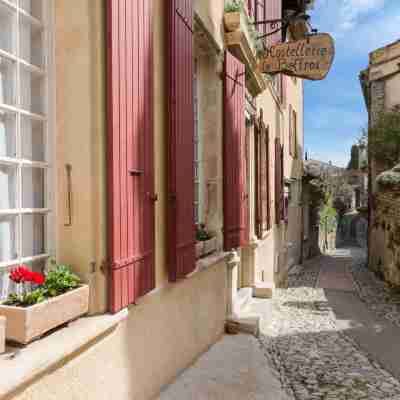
x=135 y=172
x=68 y=169
x=284 y=21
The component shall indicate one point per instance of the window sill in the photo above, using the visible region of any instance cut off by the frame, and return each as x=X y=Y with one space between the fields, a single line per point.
x=23 y=364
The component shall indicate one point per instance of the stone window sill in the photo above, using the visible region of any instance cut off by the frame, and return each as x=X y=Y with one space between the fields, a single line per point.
x=20 y=365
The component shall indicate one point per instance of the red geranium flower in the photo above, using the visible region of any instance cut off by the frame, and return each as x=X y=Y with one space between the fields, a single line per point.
x=38 y=278
x=23 y=274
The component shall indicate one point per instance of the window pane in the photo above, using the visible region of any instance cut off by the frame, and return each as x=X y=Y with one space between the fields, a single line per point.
x=30 y=43
x=8 y=186
x=33 y=188
x=7 y=286
x=7 y=134
x=33 y=235
x=7 y=81
x=33 y=146
x=33 y=7
x=7 y=21
x=8 y=238
x=32 y=91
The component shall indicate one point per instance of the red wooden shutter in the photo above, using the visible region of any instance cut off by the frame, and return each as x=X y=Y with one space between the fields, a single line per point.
x=284 y=89
x=258 y=173
x=290 y=130
x=181 y=218
x=130 y=150
x=251 y=8
x=235 y=187
x=278 y=181
x=267 y=203
x=262 y=174
x=260 y=10
x=273 y=12
x=295 y=139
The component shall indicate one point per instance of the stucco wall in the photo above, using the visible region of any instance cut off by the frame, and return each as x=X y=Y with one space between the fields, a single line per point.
x=163 y=334
x=80 y=139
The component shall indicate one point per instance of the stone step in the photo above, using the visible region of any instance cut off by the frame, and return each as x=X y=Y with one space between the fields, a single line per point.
x=247 y=323
x=263 y=290
x=242 y=300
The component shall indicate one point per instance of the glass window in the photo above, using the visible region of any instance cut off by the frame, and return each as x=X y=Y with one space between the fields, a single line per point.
x=24 y=167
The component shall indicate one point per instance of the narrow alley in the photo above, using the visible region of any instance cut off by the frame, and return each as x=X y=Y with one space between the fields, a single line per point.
x=332 y=334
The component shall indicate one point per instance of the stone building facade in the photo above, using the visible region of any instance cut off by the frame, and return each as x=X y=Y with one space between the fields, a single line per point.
x=381 y=88
x=146 y=101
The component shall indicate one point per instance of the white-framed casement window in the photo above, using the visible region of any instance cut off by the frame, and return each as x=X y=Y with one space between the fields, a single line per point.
x=25 y=151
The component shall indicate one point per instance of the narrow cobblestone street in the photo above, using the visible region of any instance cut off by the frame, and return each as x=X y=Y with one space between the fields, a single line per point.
x=331 y=335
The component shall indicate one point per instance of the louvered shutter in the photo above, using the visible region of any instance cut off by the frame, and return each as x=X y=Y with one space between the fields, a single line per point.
x=290 y=130
x=284 y=89
x=235 y=185
x=282 y=185
x=273 y=11
x=267 y=202
x=181 y=212
x=262 y=174
x=251 y=8
x=278 y=181
x=295 y=139
x=260 y=10
x=130 y=151
x=258 y=173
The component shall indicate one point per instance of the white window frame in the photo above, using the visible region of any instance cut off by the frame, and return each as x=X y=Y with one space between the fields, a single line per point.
x=48 y=116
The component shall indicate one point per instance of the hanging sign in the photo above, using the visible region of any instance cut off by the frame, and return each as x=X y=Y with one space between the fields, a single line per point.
x=309 y=58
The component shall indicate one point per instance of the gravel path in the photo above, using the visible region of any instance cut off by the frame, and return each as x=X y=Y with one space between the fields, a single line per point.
x=314 y=359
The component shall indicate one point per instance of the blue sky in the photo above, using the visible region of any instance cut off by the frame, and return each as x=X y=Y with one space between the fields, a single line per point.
x=334 y=108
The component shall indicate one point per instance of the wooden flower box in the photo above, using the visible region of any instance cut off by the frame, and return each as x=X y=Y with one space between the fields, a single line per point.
x=26 y=324
x=206 y=247
x=232 y=21
x=2 y=335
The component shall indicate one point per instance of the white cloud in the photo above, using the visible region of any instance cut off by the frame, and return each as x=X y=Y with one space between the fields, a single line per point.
x=342 y=16
x=350 y=11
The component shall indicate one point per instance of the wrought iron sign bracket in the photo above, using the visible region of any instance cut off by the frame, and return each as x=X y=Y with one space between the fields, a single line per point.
x=284 y=21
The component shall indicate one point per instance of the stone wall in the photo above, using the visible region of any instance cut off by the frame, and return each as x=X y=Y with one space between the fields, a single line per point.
x=385 y=236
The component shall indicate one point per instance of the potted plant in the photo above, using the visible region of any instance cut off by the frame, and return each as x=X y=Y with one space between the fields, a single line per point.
x=206 y=243
x=42 y=302
x=232 y=15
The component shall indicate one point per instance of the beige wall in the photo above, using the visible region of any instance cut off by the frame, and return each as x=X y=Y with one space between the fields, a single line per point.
x=80 y=138
x=162 y=335
x=281 y=247
x=175 y=323
x=210 y=92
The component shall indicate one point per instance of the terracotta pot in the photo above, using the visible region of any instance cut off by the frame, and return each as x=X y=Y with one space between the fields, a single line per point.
x=26 y=324
x=232 y=21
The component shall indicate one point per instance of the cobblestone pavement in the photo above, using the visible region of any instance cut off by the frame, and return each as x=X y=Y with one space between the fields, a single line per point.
x=312 y=356
x=376 y=294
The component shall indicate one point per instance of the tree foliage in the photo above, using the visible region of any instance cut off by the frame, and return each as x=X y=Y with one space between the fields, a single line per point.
x=384 y=138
